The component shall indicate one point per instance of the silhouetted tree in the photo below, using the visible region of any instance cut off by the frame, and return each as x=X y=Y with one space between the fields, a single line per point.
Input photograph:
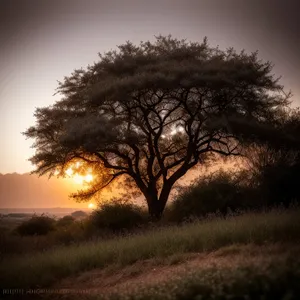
x=151 y=112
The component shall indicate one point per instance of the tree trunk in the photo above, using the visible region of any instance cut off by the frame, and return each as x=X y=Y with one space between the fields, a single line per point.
x=154 y=208
x=157 y=205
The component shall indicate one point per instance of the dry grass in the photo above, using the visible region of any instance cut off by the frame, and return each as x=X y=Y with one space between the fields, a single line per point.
x=44 y=269
x=152 y=272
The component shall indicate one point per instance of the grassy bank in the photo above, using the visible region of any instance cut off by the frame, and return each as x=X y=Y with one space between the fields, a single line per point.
x=44 y=269
x=276 y=281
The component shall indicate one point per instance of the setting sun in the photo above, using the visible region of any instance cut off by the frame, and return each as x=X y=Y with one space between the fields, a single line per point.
x=77 y=178
x=88 y=178
x=91 y=205
x=69 y=172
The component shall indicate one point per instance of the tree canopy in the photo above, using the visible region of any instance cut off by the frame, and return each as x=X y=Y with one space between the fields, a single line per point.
x=151 y=112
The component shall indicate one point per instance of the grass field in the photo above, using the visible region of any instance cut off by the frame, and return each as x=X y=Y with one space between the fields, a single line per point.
x=46 y=268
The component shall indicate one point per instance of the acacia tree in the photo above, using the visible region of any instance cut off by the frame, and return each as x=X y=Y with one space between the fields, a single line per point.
x=149 y=113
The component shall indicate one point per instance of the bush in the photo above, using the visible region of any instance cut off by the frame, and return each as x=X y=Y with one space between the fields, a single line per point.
x=69 y=230
x=279 y=184
x=37 y=225
x=219 y=192
x=275 y=174
x=117 y=216
x=78 y=214
x=65 y=221
x=71 y=233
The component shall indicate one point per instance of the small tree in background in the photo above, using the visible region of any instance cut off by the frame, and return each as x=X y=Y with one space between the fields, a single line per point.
x=151 y=112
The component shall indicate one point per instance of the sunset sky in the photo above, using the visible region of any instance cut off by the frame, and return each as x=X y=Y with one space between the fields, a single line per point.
x=42 y=41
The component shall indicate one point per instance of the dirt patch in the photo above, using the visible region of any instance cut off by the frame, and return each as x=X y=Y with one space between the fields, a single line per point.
x=151 y=272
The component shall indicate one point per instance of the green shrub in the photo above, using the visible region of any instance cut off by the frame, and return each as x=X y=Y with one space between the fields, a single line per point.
x=220 y=192
x=37 y=225
x=117 y=216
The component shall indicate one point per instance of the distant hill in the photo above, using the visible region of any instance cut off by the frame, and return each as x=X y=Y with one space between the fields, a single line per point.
x=31 y=191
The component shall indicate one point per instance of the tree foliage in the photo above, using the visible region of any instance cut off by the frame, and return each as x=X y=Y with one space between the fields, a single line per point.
x=149 y=113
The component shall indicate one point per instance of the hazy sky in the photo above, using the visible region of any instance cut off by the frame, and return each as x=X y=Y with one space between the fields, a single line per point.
x=41 y=41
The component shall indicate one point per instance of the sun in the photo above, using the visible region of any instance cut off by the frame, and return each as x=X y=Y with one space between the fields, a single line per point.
x=77 y=178
x=88 y=177
x=91 y=206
